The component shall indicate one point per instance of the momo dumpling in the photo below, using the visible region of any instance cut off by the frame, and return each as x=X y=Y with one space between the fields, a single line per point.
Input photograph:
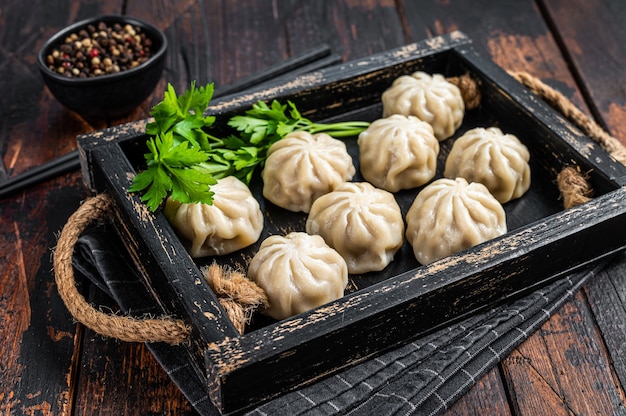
x=363 y=223
x=303 y=166
x=398 y=152
x=298 y=272
x=431 y=98
x=448 y=216
x=232 y=222
x=497 y=160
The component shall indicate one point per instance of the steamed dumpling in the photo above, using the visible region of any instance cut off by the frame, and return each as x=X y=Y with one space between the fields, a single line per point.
x=298 y=272
x=398 y=152
x=363 y=223
x=431 y=98
x=497 y=160
x=448 y=216
x=232 y=222
x=301 y=167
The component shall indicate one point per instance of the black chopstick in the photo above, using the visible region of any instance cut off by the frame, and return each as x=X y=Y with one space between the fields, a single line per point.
x=312 y=60
x=66 y=163
x=311 y=67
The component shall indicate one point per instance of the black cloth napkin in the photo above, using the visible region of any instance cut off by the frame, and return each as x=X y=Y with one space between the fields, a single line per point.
x=424 y=377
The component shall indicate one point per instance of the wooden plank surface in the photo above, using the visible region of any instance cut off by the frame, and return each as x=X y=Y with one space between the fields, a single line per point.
x=51 y=366
x=38 y=335
x=38 y=356
x=592 y=36
x=116 y=377
x=606 y=295
x=41 y=361
x=592 y=368
x=560 y=367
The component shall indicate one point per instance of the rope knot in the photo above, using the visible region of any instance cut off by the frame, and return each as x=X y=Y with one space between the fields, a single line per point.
x=238 y=295
x=469 y=88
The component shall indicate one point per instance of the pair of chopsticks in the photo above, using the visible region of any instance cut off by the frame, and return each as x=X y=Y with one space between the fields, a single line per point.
x=310 y=61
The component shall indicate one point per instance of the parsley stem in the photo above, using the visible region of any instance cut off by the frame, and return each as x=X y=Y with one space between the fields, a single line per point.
x=343 y=129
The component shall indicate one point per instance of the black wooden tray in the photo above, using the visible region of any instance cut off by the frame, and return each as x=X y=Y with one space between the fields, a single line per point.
x=406 y=300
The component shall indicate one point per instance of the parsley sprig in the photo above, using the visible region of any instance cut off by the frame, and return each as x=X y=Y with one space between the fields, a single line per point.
x=184 y=159
x=177 y=161
x=275 y=122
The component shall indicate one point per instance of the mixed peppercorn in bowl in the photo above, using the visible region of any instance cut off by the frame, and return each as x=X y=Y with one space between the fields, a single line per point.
x=104 y=66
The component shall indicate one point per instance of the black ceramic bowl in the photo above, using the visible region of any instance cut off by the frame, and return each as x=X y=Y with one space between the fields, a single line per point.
x=109 y=95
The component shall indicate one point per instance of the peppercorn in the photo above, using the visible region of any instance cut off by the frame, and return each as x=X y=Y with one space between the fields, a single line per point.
x=100 y=49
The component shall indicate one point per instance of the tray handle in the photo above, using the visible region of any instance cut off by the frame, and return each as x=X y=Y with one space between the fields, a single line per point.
x=562 y=104
x=125 y=328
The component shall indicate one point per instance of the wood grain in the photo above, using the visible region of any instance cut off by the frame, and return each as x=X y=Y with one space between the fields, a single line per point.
x=123 y=378
x=606 y=295
x=39 y=365
x=353 y=29
x=560 y=368
x=597 y=62
x=514 y=34
x=592 y=36
x=40 y=334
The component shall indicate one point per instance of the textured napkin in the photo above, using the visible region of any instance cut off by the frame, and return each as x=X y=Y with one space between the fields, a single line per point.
x=424 y=377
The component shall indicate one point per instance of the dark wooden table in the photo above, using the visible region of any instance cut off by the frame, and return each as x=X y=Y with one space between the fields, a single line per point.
x=575 y=364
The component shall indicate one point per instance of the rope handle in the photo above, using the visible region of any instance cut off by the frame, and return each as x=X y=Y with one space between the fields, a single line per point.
x=125 y=328
x=572 y=183
x=237 y=294
x=573 y=186
x=562 y=104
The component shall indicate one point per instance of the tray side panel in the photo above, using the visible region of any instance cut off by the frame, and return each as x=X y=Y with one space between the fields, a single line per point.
x=320 y=94
x=169 y=272
x=296 y=352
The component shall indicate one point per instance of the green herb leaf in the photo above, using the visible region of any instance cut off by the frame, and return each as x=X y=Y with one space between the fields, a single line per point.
x=192 y=185
x=177 y=149
x=157 y=183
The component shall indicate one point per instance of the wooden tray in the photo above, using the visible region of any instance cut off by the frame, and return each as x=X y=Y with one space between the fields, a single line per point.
x=380 y=310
